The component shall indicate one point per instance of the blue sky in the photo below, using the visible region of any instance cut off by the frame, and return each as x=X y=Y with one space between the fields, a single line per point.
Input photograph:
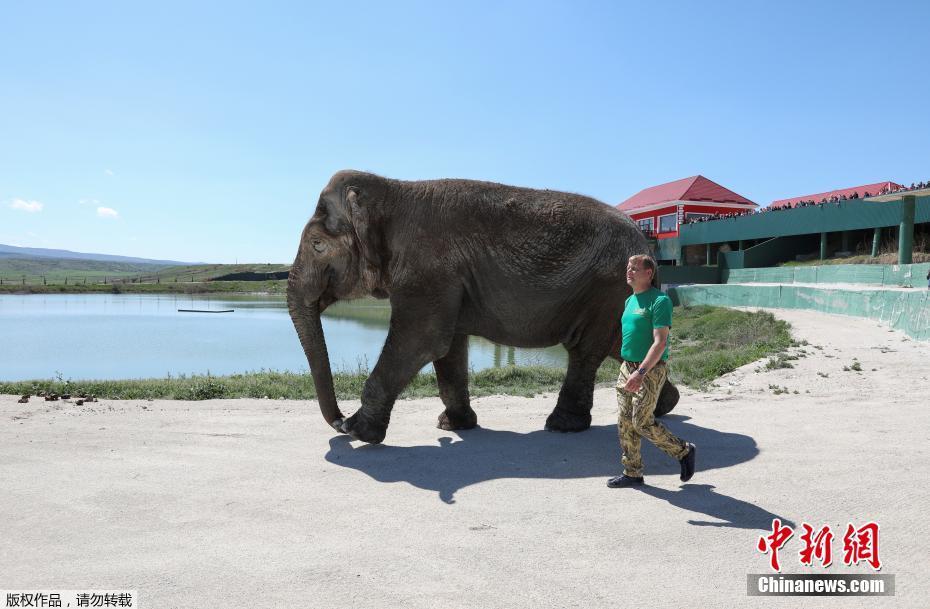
x=205 y=131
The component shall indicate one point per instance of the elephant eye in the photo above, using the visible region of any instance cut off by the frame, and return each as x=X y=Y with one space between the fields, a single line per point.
x=318 y=245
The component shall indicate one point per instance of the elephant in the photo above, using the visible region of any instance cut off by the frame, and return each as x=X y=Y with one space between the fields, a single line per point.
x=517 y=266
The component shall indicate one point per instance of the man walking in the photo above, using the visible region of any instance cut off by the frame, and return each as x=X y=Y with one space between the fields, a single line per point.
x=646 y=321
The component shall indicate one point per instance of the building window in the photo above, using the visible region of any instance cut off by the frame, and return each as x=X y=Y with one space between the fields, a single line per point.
x=668 y=224
x=645 y=225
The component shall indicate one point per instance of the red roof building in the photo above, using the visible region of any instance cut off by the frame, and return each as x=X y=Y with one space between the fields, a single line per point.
x=660 y=210
x=860 y=192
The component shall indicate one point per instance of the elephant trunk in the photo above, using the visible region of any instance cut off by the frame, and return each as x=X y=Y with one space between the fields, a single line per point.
x=309 y=328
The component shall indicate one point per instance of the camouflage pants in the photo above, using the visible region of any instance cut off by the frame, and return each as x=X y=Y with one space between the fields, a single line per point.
x=636 y=420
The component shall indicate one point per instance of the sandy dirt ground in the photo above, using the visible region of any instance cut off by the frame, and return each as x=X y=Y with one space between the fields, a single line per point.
x=256 y=503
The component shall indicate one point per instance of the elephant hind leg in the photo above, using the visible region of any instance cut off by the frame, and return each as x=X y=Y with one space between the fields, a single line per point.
x=573 y=410
x=668 y=399
x=452 y=378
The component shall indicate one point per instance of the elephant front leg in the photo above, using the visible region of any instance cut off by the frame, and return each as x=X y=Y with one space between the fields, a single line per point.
x=420 y=332
x=573 y=410
x=452 y=378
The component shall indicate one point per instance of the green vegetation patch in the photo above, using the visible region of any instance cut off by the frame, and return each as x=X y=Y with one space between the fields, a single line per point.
x=205 y=287
x=57 y=270
x=706 y=342
x=917 y=257
x=67 y=276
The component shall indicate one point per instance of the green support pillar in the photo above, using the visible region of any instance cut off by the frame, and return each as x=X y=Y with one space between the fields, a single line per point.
x=876 y=240
x=845 y=237
x=740 y=247
x=906 y=230
x=681 y=257
x=823 y=246
x=708 y=254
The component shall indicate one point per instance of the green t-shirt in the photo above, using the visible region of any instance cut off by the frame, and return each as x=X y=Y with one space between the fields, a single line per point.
x=642 y=313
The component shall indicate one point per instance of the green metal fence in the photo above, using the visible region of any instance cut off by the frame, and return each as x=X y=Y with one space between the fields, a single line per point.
x=868 y=274
x=905 y=310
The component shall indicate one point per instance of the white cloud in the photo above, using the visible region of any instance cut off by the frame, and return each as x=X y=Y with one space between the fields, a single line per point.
x=27 y=206
x=107 y=212
x=89 y=202
x=109 y=172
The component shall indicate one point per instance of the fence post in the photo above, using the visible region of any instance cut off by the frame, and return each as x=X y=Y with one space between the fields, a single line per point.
x=906 y=230
x=876 y=240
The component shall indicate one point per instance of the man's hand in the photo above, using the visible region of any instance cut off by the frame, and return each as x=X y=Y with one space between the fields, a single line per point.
x=634 y=383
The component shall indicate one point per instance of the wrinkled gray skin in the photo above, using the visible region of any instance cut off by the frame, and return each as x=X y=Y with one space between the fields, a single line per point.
x=521 y=267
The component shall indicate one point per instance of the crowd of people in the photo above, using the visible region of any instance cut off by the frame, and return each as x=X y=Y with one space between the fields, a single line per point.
x=809 y=203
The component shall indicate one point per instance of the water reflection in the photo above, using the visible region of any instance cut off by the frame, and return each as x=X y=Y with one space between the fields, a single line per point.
x=112 y=336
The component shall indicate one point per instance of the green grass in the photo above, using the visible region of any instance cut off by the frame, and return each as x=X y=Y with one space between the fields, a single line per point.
x=205 y=287
x=883 y=258
x=511 y=380
x=55 y=270
x=66 y=276
x=706 y=342
x=207 y=272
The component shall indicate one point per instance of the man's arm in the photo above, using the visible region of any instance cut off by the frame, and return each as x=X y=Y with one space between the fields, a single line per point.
x=659 y=339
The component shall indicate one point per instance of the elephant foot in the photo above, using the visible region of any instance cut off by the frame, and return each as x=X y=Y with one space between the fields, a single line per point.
x=564 y=420
x=458 y=419
x=668 y=399
x=364 y=429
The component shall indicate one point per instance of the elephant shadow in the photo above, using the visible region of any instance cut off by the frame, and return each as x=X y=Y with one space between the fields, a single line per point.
x=484 y=454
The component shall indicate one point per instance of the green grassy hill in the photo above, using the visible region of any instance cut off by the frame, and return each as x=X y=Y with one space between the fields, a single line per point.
x=55 y=270
x=209 y=272
x=55 y=275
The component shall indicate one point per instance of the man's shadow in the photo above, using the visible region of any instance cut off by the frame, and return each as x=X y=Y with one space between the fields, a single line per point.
x=489 y=454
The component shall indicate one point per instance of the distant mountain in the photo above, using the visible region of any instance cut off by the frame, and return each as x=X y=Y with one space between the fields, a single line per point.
x=10 y=251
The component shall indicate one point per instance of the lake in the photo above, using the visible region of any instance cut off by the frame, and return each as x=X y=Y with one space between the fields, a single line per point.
x=122 y=336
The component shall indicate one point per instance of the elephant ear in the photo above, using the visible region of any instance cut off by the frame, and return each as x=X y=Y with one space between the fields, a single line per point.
x=350 y=215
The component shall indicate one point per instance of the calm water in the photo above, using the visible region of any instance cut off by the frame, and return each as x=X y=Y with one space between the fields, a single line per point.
x=118 y=336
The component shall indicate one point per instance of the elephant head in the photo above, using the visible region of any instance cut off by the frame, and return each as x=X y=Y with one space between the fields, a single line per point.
x=339 y=258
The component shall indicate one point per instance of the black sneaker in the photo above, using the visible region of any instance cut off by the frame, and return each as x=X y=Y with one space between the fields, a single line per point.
x=625 y=481
x=687 y=463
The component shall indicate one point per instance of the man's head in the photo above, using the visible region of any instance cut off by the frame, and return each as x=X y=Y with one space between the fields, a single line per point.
x=642 y=272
